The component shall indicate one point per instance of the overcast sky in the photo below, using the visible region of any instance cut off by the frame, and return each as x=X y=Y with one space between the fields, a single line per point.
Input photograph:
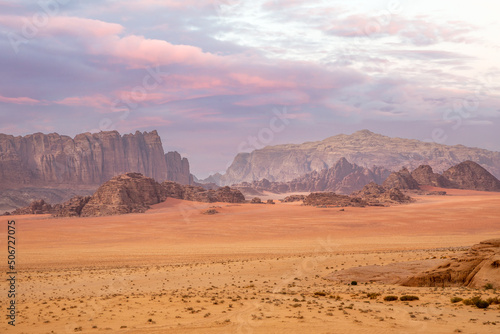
x=217 y=77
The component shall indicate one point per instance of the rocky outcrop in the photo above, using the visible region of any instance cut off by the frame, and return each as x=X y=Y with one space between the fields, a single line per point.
x=41 y=160
x=71 y=208
x=329 y=199
x=470 y=175
x=35 y=208
x=375 y=194
x=200 y=194
x=284 y=163
x=294 y=198
x=178 y=169
x=126 y=193
x=425 y=176
x=476 y=268
x=401 y=180
x=342 y=178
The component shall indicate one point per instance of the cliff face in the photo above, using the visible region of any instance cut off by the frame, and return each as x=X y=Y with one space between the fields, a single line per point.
x=89 y=159
x=364 y=148
x=178 y=169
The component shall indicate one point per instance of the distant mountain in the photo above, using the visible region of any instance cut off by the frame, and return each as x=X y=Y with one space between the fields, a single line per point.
x=342 y=178
x=364 y=148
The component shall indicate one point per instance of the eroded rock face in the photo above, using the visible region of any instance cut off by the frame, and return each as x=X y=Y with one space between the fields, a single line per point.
x=178 y=168
x=126 y=193
x=470 y=175
x=476 y=268
x=41 y=160
x=284 y=163
x=401 y=180
x=425 y=176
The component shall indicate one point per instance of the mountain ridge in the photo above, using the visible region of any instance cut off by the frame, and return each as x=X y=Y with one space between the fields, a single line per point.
x=364 y=148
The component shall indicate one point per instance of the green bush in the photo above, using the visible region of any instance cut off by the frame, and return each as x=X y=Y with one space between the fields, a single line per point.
x=482 y=304
x=456 y=299
x=372 y=295
x=488 y=286
x=493 y=300
x=320 y=293
x=390 y=298
x=354 y=283
x=407 y=298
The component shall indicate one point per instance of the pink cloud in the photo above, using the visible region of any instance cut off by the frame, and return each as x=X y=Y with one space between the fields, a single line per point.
x=63 y=25
x=19 y=100
x=96 y=101
x=279 y=98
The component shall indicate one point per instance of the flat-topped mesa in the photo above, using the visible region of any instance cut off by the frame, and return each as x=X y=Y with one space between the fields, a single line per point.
x=200 y=194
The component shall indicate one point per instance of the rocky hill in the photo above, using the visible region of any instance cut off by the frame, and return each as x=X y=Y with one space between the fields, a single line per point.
x=364 y=148
x=425 y=176
x=200 y=194
x=401 y=180
x=375 y=194
x=126 y=193
x=56 y=167
x=342 y=178
x=470 y=175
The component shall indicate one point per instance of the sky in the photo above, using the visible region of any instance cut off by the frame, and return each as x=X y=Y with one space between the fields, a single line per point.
x=220 y=77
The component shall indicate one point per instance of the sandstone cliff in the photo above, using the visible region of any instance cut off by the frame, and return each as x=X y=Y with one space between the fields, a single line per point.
x=88 y=159
x=178 y=168
x=425 y=176
x=364 y=148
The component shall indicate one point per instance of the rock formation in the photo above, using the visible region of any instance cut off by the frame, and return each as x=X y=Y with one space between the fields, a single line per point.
x=284 y=163
x=71 y=208
x=343 y=178
x=329 y=199
x=401 y=180
x=178 y=168
x=375 y=194
x=56 y=167
x=425 y=176
x=126 y=193
x=35 y=208
x=470 y=175
x=90 y=159
x=200 y=194
x=294 y=198
x=476 y=268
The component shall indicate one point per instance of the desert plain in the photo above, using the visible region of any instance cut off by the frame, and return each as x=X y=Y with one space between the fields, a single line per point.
x=250 y=268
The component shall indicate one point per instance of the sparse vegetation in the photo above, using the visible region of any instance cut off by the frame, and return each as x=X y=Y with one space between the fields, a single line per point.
x=408 y=298
x=390 y=298
x=354 y=283
x=456 y=300
x=476 y=301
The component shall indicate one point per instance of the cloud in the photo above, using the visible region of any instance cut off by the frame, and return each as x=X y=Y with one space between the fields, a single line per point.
x=19 y=100
x=419 y=31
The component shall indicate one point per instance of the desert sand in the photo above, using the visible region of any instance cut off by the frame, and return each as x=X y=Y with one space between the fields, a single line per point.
x=250 y=268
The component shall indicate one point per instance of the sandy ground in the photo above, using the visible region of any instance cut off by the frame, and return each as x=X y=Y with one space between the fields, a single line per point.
x=248 y=269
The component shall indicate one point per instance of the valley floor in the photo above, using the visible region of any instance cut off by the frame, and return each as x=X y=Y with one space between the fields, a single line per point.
x=248 y=269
